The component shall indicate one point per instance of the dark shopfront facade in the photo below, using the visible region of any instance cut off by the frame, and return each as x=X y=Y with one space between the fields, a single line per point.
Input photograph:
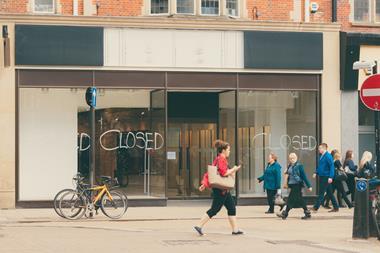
x=155 y=128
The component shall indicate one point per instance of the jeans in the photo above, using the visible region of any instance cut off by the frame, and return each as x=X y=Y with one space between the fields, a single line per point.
x=325 y=187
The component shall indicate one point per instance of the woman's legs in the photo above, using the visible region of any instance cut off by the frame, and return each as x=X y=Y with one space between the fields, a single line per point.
x=351 y=186
x=230 y=205
x=342 y=192
x=270 y=197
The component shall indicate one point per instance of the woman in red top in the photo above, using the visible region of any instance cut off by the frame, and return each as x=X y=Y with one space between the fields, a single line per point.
x=220 y=197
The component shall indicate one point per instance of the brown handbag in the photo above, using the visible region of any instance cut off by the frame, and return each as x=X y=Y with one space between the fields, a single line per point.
x=218 y=181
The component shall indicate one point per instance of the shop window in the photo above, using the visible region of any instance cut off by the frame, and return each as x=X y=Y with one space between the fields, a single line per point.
x=210 y=7
x=232 y=7
x=44 y=6
x=377 y=10
x=159 y=6
x=185 y=6
x=275 y=121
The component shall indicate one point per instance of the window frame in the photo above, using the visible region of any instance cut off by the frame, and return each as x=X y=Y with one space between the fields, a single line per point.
x=44 y=12
x=211 y=15
x=369 y=13
x=187 y=14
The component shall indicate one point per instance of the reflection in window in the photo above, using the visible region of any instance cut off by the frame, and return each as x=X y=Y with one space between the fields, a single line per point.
x=185 y=6
x=377 y=10
x=46 y=6
x=210 y=7
x=159 y=6
x=279 y=122
x=361 y=11
x=232 y=7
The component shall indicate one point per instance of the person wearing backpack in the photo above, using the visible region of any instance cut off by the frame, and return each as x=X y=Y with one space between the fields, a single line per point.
x=295 y=180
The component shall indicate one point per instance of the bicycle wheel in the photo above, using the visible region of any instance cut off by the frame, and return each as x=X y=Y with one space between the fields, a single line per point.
x=72 y=205
x=57 y=198
x=114 y=207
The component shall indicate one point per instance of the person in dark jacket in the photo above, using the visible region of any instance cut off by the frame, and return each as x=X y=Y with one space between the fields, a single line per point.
x=272 y=181
x=295 y=180
x=220 y=197
x=351 y=170
x=338 y=183
x=365 y=168
x=325 y=172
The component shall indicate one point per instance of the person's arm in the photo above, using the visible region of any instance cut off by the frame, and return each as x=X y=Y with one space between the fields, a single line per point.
x=330 y=163
x=223 y=168
x=278 y=176
x=351 y=165
x=304 y=177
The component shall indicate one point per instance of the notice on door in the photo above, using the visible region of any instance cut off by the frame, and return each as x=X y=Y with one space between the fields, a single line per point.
x=171 y=155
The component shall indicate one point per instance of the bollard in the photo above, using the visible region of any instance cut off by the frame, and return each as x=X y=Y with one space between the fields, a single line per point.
x=360 y=228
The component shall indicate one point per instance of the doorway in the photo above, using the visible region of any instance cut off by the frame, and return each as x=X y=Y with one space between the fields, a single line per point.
x=195 y=121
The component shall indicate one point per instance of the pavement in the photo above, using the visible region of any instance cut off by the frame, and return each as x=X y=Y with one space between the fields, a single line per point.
x=170 y=229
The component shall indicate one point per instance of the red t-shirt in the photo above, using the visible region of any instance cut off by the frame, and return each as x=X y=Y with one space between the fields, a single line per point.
x=222 y=164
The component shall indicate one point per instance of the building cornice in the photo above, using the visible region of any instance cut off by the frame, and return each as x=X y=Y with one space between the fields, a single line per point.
x=160 y=22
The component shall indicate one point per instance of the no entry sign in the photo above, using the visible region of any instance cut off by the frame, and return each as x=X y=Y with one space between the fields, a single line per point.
x=370 y=92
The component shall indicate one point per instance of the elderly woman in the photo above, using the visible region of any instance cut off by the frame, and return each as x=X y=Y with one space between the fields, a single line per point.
x=295 y=180
x=272 y=181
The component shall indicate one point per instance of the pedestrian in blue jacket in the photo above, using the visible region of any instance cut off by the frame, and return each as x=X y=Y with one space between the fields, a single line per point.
x=272 y=181
x=325 y=172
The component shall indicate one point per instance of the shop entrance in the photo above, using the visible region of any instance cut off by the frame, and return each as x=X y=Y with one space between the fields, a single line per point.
x=194 y=123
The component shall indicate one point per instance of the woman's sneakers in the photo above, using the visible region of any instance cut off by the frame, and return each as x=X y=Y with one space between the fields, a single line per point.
x=199 y=230
x=307 y=215
x=239 y=232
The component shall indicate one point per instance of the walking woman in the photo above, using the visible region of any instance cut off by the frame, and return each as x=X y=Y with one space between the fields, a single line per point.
x=296 y=180
x=350 y=169
x=220 y=197
x=365 y=168
x=272 y=181
x=338 y=182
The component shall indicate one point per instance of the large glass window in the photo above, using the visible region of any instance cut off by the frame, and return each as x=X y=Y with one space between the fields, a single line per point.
x=210 y=7
x=54 y=140
x=159 y=6
x=44 y=6
x=377 y=10
x=275 y=121
x=362 y=10
x=185 y=6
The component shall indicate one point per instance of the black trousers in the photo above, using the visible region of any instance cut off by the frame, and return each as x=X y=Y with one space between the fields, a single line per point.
x=351 y=186
x=341 y=194
x=222 y=198
x=325 y=188
x=295 y=199
x=271 y=194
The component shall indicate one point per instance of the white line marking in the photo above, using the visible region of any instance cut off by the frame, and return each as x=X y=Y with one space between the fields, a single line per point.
x=371 y=92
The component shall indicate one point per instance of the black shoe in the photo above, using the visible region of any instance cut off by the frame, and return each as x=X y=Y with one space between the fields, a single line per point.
x=238 y=233
x=282 y=215
x=269 y=212
x=307 y=215
x=199 y=230
x=335 y=210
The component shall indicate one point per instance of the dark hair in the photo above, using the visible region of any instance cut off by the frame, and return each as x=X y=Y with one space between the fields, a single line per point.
x=221 y=145
x=348 y=157
x=324 y=145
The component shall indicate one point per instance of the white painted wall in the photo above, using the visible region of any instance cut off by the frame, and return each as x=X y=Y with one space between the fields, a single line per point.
x=173 y=48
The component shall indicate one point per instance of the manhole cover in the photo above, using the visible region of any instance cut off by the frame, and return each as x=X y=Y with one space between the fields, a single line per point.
x=188 y=242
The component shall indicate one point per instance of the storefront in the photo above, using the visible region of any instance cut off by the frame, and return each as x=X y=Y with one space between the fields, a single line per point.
x=164 y=97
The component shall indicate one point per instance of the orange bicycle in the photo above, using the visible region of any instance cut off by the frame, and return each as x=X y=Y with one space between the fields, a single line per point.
x=75 y=203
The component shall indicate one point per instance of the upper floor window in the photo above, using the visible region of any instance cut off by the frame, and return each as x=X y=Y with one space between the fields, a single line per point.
x=210 y=7
x=44 y=6
x=195 y=7
x=159 y=6
x=185 y=6
x=366 y=11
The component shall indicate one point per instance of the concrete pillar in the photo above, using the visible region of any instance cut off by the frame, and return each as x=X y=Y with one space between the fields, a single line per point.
x=350 y=123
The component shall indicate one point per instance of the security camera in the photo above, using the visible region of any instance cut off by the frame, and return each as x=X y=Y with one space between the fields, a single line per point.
x=369 y=67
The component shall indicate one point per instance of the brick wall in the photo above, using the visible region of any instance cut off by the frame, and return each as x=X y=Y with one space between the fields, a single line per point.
x=13 y=6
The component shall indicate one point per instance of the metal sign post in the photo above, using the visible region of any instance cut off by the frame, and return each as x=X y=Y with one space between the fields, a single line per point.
x=91 y=101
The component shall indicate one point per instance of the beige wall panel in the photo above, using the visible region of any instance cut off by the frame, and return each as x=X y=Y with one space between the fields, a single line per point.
x=8 y=126
x=331 y=94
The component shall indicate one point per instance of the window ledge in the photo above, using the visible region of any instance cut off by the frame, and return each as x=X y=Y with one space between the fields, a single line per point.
x=365 y=24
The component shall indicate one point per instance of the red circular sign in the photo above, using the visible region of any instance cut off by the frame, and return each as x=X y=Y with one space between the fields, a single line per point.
x=370 y=92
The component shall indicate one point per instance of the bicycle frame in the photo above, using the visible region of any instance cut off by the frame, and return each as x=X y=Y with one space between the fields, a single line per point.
x=103 y=190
